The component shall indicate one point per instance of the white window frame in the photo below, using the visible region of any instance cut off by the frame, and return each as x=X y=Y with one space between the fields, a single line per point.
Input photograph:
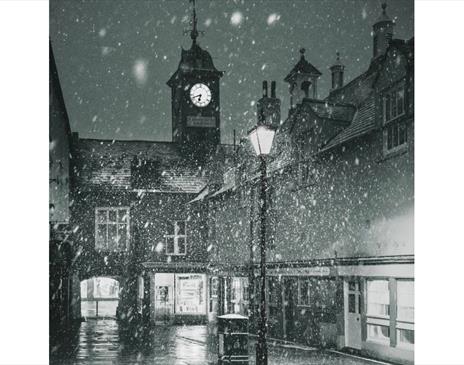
x=376 y=319
x=100 y=247
x=403 y=324
x=176 y=237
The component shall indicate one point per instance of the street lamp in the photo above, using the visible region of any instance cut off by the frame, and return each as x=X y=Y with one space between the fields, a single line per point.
x=261 y=138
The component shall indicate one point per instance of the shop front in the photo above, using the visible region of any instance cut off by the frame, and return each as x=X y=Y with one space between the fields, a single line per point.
x=379 y=309
x=178 y=298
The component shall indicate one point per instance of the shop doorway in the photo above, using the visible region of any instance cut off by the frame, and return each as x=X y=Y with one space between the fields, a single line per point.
x=164 y=298
x=352 y=306
x=179 y=297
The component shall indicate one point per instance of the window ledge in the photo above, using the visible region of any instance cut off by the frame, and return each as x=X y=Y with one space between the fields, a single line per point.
x=393 y=120
x=378 y=341
x=404 y=346
x=396 y=152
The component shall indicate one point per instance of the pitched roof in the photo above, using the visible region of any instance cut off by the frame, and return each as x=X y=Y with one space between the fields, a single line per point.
x=327 y=110
x=363 y=122
x=194 y=59
x=360 y=92
x=111 y=164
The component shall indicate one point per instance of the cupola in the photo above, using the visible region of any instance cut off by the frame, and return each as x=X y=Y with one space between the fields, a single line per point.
x=302 y=80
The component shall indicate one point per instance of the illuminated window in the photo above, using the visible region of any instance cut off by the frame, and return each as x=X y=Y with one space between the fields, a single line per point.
x=405 y=317
x=378 y=298
x=112 y=229
x=176 y=239
x=378 y=311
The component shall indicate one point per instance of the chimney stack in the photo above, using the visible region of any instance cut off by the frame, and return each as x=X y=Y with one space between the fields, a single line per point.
x=268 y=108
x=337 y=70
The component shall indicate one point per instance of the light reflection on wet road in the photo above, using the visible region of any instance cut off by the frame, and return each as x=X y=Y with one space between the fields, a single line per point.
x=101 y=342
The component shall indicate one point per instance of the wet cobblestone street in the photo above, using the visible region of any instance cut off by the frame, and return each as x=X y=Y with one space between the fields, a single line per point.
x=102 y=342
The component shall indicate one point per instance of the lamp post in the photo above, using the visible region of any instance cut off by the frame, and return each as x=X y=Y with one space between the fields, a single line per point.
x=261 y=138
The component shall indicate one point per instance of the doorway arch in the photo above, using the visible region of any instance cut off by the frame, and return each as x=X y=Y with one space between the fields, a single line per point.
x=99 y=297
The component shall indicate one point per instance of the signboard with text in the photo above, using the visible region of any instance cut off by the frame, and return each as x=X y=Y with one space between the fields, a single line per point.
x=201 y=122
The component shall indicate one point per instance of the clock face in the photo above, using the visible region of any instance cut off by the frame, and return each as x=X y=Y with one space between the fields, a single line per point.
x=200 y=94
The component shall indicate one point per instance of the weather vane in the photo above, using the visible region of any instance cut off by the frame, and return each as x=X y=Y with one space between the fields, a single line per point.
x=194 y=32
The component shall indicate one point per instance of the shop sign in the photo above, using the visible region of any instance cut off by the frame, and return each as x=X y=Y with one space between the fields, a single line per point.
x=302 y=271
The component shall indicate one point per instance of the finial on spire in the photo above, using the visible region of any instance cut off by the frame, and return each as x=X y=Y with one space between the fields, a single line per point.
x=194 y=32
x=338 y=56
x=384 y=7
x=302 y=52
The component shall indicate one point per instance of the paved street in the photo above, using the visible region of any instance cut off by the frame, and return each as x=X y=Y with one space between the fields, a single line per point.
x=102 y=342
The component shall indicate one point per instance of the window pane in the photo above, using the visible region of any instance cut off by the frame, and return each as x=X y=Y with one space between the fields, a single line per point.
x=171 y=228
x=352 y=285
x=101 y=216
x=405 y=291
x=400 y=97
x=112 y=237
x=378 y=298
x=181 y=245
x=181 y=228
x=387 y=107
x=402 y=133
x=405 y=336
x=389 y=137
x=122 y=231
x=393 y=106
x=376 y=332
x=352 y=303
x=112 y=215
x=170 y=245
x=122 y=215
x=395 y=135
x=101 y=236
x=304 y=292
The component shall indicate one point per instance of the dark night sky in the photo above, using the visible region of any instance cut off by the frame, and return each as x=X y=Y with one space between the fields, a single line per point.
x=114 y=57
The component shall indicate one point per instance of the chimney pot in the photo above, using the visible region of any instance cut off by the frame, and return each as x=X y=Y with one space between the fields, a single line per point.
x=265 y=89
x=273 y=89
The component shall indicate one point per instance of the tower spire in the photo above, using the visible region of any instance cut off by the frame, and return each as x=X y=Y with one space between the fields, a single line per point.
x=194 y=32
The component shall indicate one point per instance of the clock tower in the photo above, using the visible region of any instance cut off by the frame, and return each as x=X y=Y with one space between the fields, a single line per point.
x=195 y=100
